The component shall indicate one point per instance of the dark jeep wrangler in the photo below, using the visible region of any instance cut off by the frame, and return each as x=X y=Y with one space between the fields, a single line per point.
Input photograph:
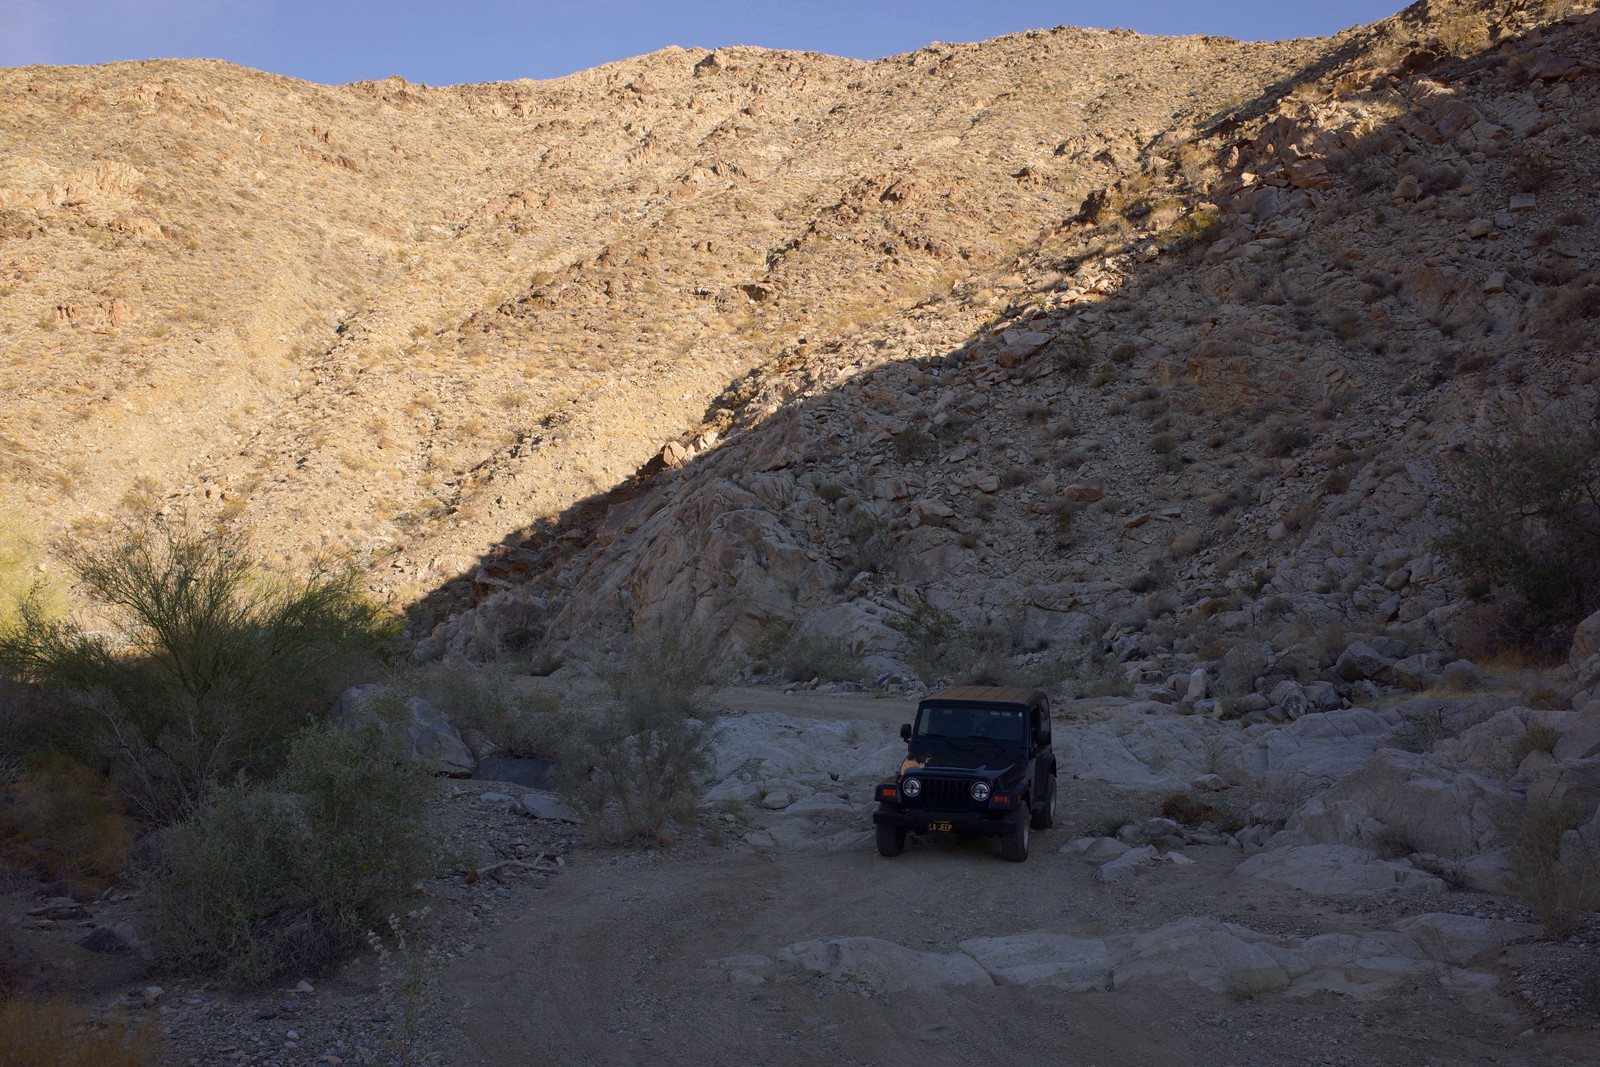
x=978 y=761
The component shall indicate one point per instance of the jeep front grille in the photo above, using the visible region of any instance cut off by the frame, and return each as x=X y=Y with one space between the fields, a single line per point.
x=946 y=794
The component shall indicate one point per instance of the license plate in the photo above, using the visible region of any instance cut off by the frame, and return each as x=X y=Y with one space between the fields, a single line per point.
x=940 y=824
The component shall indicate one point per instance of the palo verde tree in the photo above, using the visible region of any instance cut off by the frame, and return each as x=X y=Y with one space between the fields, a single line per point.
x=210 y=668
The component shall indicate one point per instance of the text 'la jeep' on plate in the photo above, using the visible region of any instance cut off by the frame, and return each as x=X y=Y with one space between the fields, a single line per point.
x=978 y=761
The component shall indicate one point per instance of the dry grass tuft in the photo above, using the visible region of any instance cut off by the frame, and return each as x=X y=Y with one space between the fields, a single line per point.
x=49 y=1033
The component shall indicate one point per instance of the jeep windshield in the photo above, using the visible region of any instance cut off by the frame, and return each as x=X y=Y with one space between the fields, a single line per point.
x=999 y=725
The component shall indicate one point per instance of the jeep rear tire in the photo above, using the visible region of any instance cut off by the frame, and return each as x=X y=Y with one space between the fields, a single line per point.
x=1045 y=816
x=891 y=840
x=1014 y=843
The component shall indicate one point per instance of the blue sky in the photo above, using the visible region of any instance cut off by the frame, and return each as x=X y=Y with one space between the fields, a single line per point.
x=483 y=40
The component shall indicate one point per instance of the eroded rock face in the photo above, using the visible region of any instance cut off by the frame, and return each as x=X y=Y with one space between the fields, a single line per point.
x=926 y=457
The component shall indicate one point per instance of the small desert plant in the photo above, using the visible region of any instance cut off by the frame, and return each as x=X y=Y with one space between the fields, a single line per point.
x=1279 y=439
x=1555 y=869
x=1538 y=737
x=635 y=770
x=65 y=822
x=51 y=1033
x=1523 y=517
x=1163 y=443
x=1190 y=810
x=261 y=882
x=913 y=443
x=1419 y=731
x=871 y=548
x=406 y=985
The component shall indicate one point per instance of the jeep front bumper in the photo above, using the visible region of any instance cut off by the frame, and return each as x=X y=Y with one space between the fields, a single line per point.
x=960 y=822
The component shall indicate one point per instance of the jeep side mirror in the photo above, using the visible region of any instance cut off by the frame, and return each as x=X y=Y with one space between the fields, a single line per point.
x=905 y=731
x=1044 y=736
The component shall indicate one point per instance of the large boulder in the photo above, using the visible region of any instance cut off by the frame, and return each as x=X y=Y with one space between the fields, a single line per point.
x=1360 y=660
x=418 y=729
x=1463 y=939
x=1581 y=738
x=1221 y=957
x=1586 y=639
x=1072 y=964
x=1335 y=870
x=1315 y=749
x=862 y=626
x=1409 y=796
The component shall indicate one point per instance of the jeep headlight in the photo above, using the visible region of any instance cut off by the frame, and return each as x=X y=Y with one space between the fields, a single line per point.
x=910 y=787
x=980 y=791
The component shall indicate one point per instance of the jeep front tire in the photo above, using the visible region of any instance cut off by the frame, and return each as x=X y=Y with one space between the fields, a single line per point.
x=1014 y=843
x=1044 y=816
x=891 y=840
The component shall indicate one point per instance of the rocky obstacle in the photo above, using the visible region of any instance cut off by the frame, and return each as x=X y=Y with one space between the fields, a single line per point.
x=1220 y=957
x=418 y=729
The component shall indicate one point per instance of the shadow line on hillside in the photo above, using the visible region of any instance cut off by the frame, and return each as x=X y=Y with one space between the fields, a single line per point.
x=534 y=556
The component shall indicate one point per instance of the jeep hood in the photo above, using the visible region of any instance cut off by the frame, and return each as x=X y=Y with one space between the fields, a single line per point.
x=991 y=763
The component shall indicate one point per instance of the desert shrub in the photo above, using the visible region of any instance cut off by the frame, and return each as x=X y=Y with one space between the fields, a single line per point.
x=914 y=443
x=871 y=548
x=635 y=770
x=796 y=657
x=1198 y=230
x=941 y=646
x=265 y=881
x=1555 y=869
x=1278 y=439
x=1538 y=737
x=1188 y=809
x=487 y=699
x=51 y=1033
x=1106 y=678
x=1523 y=518
x=1419 y=731
x=1187 y=543
x=214 y=667
x=1163 y=443
x=65 y=822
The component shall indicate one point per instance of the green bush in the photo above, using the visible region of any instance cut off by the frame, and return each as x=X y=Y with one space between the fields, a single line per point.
x=262 y=882
x=635 y=770
x=1554 y=868
x=941 y=646
x=1523 y=519
x=213 y=668
x=795 y=657
x=488 y=699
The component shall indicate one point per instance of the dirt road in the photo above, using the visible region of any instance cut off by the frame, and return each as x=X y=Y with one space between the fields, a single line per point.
x=608 y=966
